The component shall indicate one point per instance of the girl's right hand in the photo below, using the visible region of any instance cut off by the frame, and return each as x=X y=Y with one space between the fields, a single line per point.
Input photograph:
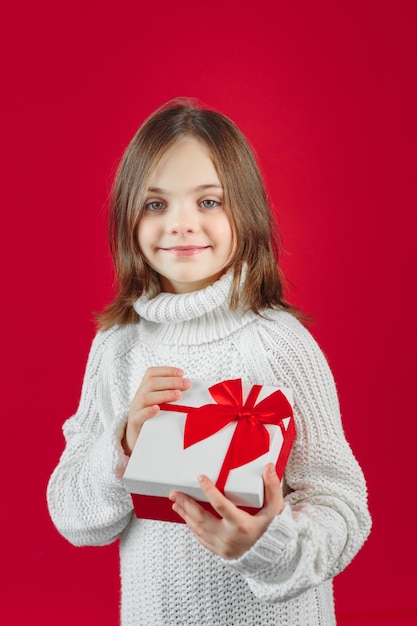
x=159 y=384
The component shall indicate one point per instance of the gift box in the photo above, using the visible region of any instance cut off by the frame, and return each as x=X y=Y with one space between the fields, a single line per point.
x=228 y=431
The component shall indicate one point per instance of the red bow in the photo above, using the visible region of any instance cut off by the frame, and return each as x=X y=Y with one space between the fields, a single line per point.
x=250 y=438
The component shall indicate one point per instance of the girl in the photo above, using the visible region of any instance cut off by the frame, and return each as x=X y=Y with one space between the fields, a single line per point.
x=199 y=292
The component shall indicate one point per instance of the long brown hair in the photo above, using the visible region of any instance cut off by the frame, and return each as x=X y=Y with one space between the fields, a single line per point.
x=255 y=231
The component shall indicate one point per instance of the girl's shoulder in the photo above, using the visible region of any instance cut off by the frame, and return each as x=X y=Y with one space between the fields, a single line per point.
x=285 y=325
x=113 y=342
x=284 y=335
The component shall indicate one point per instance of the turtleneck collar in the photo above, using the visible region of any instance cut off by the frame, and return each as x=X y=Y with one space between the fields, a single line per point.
x=170 y=307
x=192 y=318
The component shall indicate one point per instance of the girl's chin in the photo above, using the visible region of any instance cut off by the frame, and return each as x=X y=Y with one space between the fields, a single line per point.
x=188 y=285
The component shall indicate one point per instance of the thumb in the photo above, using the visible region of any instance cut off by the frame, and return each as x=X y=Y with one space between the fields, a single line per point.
x=274 y=500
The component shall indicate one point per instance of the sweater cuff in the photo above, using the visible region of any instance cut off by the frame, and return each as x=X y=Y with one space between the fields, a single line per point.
x=269 y=547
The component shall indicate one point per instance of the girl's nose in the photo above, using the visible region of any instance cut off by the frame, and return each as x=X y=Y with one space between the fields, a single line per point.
x=182 y=222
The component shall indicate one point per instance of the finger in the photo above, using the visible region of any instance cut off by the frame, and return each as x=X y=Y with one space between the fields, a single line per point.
x=274 y=501
x=147 y=406
x=153 y=398
x=157 y=391
x=226 y=509
x=161 y=383
x=203 y=525
x=189 y=509
x=134 y=426
x=186 y=503
x=163 y=371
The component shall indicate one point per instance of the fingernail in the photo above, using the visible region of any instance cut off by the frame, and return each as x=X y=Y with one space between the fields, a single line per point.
x=172 y=497
x=184 y=383
x=179 y=373
x=201 y=479
x=176 y=393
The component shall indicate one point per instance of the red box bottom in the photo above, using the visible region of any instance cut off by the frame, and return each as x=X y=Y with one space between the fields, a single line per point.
x=158 y=508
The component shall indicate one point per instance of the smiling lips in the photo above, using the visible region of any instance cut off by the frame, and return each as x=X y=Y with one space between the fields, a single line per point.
x=185 y=250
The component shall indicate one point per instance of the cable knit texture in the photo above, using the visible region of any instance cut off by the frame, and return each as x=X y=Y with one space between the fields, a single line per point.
x=168 y=578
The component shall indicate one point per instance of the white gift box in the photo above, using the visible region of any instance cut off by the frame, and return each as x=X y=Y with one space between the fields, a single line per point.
x=160 y=463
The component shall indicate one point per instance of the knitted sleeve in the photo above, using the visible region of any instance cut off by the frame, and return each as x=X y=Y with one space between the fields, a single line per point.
x=87 y=501
x=325 y=520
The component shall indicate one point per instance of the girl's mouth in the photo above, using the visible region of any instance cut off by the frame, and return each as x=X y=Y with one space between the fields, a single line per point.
x=185 y=250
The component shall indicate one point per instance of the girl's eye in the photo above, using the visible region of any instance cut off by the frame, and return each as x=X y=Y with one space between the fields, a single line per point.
x=209 y=204
x=155 y=206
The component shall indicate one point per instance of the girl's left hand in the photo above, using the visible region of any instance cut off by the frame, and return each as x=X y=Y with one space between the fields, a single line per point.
x=236 y=531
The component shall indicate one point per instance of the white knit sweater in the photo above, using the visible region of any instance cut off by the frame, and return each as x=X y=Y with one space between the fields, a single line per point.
x=168 y=578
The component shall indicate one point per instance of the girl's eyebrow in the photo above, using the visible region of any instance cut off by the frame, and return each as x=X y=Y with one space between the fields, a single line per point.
x=199 y=188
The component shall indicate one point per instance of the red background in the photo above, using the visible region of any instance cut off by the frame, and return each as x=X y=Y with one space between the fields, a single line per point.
x=326 y=93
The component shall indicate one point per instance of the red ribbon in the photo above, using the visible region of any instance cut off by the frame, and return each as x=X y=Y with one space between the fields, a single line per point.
x=250 y=439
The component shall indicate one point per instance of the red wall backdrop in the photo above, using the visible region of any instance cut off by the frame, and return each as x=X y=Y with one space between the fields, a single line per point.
x=326 y=93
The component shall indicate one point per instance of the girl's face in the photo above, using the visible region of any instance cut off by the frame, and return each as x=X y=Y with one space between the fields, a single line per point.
x=184 y=232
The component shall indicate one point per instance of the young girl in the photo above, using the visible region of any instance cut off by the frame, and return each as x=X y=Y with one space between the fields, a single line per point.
x=200 y=295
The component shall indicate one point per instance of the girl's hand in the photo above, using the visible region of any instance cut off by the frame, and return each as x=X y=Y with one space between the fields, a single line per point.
x=159 y=384
x=236 y=531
